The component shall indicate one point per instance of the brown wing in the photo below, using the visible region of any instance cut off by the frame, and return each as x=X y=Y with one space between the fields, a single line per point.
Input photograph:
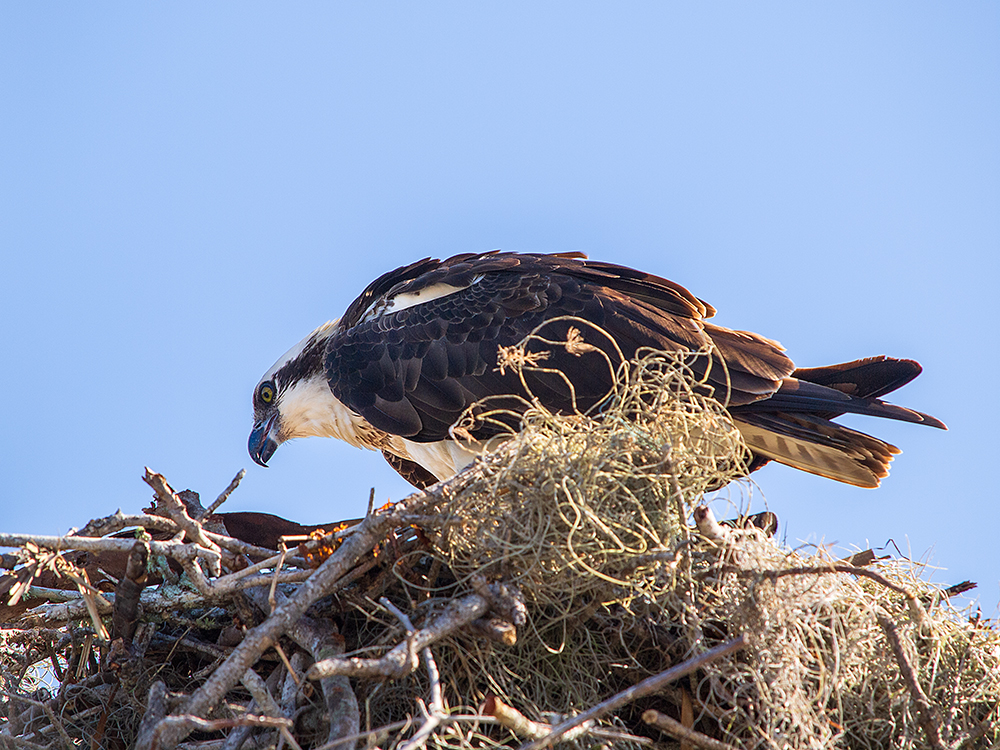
x=413 y=372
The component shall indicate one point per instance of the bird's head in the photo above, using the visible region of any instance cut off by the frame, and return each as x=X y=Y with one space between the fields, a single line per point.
x=293 y=398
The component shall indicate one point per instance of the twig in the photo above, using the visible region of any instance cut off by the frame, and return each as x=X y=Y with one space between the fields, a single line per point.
x=91 y=598
x=189 y=723
x=175 y=508
x=323 y=581
x=177 y=550
x=437 y=712
x=291 y=684
x=825 y=569
x=52 y=595
x=156 y=710
x=521 y=725
x=225 y=494
x=678 y=731
x=20 y=743
x=117 y=521
x=126 y=606
x=524 y=727
x=258 y=689
x=925 y=710
x=322 y=640
x=67 y=741
x=397 y=662
x=151 y=601
x=969 y=741
x=917 y=612
x=274 y=576
x=239 y=735
x=646 y=687
x=386 y=729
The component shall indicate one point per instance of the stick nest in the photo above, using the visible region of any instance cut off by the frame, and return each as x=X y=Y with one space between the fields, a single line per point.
x=550 y=578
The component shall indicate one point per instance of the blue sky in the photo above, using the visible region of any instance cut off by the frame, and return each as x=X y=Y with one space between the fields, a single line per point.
x=188 y=189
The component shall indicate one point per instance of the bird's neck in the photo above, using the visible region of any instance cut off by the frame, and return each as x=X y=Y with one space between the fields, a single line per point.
x=309 y=409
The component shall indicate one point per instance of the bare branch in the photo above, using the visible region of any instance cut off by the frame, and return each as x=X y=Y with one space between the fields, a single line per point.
x=647 y=687
x=177 y=550
x=175 y=509
x=189 y=723
x=397 y=662
x=225 y=494
x=925 y=711
x=524 y=727
x=326 y=579
x=678 y=731
x=437 y=713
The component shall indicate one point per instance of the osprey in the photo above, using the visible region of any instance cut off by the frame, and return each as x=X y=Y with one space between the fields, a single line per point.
x=420 y=346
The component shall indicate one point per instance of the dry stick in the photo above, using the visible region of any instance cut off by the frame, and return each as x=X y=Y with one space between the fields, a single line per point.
x=262 y=695
x=274 y=576
x=239 y=736
x=53 y=720
x=326 y=578
x=917 y=612
x=925 y=711
x=156 y=710
x=678 y=731
x=189 y=723
x=117 y=522
x=388 y=728
x=524 y=727
x=437 y=713
x=75 y=610
x=397 y=662
x=646 y=687
x=322 y=640
x=91 y=598
x=969 y=742
x=290 y=685
x=21 y=744
x=521 y=725
x=258 y=689
x=177 y=550
x=822 y=569
x=177 y=511
x=98 y=527
x=125 y=615
x=225 y=494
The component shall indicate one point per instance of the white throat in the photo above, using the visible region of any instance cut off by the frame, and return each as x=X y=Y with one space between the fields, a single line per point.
x=309 y=409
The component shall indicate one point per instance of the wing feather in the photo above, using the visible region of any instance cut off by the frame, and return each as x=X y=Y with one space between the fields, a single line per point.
x=414 y=371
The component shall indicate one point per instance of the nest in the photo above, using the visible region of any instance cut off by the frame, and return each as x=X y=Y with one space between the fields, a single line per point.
x=556 y=581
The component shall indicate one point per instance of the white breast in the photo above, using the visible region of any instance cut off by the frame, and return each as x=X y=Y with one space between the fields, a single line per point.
x=444 y=458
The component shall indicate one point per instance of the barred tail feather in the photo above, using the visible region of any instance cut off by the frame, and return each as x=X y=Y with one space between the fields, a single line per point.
x=818 y=446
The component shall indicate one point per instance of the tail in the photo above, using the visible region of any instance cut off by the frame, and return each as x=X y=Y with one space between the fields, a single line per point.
x=794 y=425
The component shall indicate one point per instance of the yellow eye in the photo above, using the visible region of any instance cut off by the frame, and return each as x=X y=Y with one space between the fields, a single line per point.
x=266 y=393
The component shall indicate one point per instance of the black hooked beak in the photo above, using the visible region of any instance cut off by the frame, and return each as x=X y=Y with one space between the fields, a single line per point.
x=262 y=443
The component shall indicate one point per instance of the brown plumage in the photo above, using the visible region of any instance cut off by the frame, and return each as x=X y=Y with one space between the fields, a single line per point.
x=419 y=346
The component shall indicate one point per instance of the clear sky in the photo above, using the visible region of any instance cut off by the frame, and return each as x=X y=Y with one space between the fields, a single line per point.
x=187 y=189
